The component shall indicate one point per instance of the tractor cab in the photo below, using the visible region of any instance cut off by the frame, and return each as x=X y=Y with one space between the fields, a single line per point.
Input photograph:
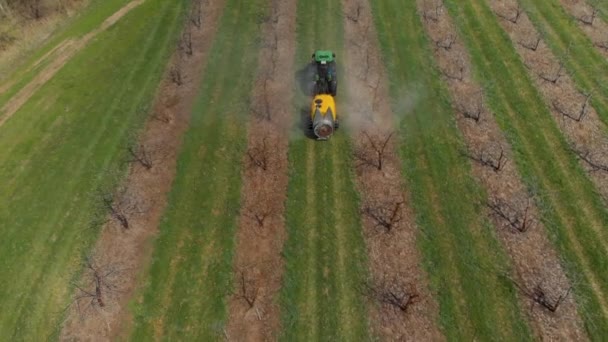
x=323 y=57
x=326 y=78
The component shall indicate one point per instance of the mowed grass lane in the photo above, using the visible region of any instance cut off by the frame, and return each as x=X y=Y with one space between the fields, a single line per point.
x=90 y=18
x=588 y=68
x=63 y=145
x=325 y=251
x=459 y=246
x=191 y=273
x=571 y=208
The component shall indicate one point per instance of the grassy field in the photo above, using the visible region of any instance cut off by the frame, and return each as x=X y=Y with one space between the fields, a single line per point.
x=191 y=273
x=324 y=253
x=78 y=26
x=70 y=139
x=67 y=141
x=584 y=63
x=572 y=209
x=459 y=246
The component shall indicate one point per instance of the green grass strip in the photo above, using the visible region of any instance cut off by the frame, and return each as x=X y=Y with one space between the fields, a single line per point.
x=458 y=244
x=571 y=208
x=325 y=251
x=61 y=146
x=191 y=273
x=585 y=64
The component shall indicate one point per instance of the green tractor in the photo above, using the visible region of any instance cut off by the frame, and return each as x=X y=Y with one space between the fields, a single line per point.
x=326 y=74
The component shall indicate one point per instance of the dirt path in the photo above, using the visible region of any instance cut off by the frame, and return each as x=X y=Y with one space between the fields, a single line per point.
x=258 y=262
x=58 y=49
x=532 y=255
x=162 y=134
x=393 y=256
x=65 y=52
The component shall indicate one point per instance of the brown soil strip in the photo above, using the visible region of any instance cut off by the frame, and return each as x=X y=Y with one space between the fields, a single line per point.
x=533 y=258
x=587 y=135
x=394 y=259
x=58 y=62
x=593 y=25
x=258 y=264
x=129 y=251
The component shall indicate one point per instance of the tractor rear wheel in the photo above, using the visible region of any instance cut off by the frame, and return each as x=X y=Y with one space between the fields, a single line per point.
x=333 y=88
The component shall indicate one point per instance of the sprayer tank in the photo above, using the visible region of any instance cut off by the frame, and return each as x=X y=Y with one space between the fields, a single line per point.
x=324 y=116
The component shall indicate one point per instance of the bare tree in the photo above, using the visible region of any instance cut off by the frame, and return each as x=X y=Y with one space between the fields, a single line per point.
x=484 y=158
x=120 y=206
x=447 y=42
x=259 y=155
x=377 y=146
x=34 y=7
x=259 y=216
x=585 y=155
x=354 y=17
x=471 y=111
x=519 y=220
x=531 y=44
x=578 y=116
x=175 y=73
x=432 y=12
x=141 y=155
x=196 y=15
x=393 y=294
x=588 y=19
x=455 y=70
x=98 y=283
x=262 y=108
x=385 y=215
x=602 y=45
x=554 y=76
x=375 y=89
x=260 y=211
x=248 y=290
x=162 y=117
x=538 y=295
x=186 y=42
x=514 y=17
